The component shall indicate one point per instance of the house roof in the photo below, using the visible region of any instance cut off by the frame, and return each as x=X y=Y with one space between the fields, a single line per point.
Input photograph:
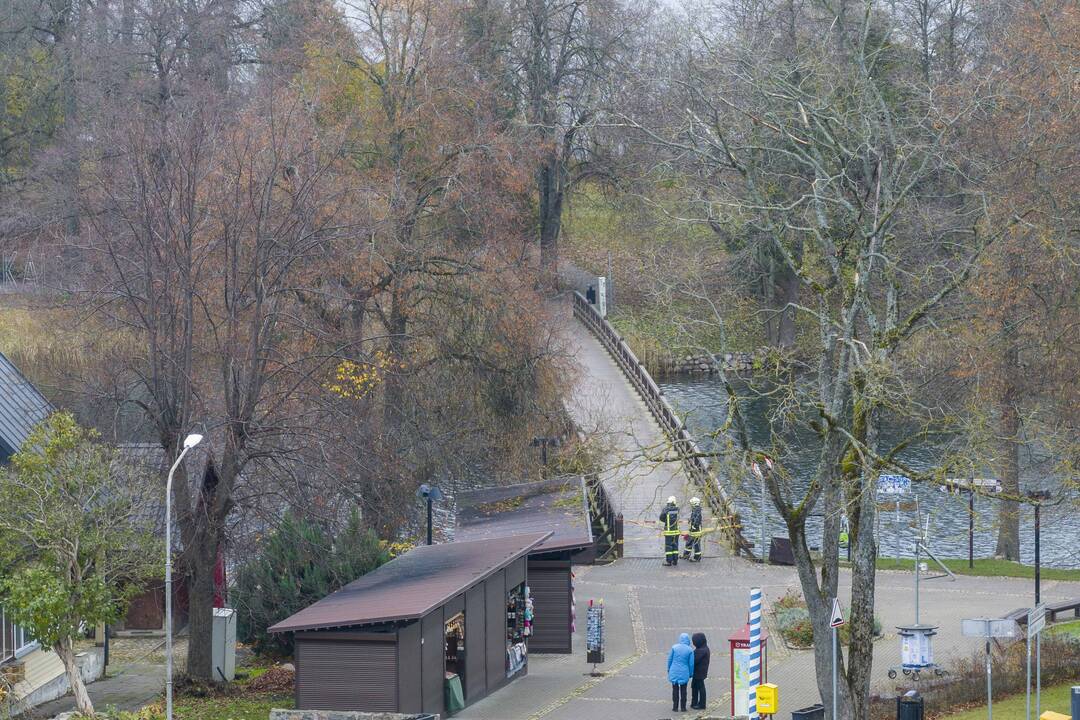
x=559 y=506
x=22 y=407
x=413 y=584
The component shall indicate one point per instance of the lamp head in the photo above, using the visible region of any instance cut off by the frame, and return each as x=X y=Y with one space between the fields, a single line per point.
x=192 y=440
x=429 y=492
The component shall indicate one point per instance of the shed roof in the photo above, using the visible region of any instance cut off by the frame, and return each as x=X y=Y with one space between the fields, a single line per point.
x=412 y=585
x=22 y=407
x=559 y=506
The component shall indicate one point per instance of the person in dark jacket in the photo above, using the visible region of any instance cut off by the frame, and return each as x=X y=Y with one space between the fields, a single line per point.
x=701 y=671
x=669 y=525
x=680 y=668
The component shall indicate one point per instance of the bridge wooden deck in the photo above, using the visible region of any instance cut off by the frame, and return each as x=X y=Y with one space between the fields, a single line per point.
x=605 y=404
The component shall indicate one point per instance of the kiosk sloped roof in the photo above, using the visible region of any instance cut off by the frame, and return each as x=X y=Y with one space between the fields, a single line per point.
x=558 y=506
x=412 y=585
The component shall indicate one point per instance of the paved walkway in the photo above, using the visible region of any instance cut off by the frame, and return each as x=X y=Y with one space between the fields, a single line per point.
x=127 y=687
x=648 y=605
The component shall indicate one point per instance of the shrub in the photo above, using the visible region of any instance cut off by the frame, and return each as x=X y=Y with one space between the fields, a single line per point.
x=299 y=564
x=793 y=620
x=791 y=599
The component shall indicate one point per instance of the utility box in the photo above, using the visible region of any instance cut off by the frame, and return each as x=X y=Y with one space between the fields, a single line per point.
x=224 y=644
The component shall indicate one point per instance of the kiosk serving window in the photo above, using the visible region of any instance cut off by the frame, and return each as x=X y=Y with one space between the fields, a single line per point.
x=455 y=644
x=517 y=629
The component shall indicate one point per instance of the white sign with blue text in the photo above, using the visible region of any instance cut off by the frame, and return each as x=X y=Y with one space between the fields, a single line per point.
x=893 y=484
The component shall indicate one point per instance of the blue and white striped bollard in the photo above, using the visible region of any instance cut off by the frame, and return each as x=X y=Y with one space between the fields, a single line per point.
x=755 y=649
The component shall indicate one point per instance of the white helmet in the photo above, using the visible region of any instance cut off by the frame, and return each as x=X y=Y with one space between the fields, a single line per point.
x=695 y=501
x=672 y=501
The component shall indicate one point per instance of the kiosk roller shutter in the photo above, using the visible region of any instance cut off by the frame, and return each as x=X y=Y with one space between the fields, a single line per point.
x=550 y=588
x=347 y=676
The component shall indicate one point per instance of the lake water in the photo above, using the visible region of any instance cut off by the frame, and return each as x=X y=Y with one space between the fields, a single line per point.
x=703 y=401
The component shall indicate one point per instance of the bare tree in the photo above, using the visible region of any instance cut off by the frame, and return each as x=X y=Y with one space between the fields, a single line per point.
x=211 y=223
x=814 y=156
x=564 y=51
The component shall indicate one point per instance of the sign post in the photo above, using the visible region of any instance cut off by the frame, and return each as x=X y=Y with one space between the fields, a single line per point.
x=895 y=485
x=835 y=622
x=988 y=628
x=601 y=295
x=1036 y=621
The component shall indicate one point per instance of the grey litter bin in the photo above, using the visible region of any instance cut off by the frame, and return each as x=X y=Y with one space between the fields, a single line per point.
x=811 y=712
x=909 y=706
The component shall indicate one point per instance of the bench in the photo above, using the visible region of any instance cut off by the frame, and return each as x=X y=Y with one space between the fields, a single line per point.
x=1052 y=611
x=1020 y=615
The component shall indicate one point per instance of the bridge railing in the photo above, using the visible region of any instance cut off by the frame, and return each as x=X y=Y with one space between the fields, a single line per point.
x=694 y=463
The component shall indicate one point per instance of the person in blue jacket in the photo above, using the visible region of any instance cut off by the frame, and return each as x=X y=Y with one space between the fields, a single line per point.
x=680 y=668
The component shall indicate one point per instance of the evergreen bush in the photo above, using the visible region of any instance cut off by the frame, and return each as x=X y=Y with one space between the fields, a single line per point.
x=299 y=564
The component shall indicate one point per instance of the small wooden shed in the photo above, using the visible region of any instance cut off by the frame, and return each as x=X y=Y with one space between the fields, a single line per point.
x=558 y=505
x=410 y=634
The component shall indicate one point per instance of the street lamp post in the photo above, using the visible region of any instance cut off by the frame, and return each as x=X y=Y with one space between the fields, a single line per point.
x=189 y=442
x=1038 y=497
x=429 y=493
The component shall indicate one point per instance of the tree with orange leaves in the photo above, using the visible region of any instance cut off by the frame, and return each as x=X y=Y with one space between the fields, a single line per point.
x=1026 y=317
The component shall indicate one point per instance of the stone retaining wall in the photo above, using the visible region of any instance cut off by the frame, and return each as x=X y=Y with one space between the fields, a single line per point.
x=738 y=362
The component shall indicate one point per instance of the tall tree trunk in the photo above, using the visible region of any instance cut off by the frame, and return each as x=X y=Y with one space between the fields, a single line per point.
x=785 y=294
x=201 y=610
x=66 y=40
x=394 y=411
x=1008 y=540
x=201 y=557
x=550 y=188
x=66 y=652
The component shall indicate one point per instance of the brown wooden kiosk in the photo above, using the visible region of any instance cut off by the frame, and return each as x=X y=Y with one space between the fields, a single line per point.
x=559 y=505
x=392 y=640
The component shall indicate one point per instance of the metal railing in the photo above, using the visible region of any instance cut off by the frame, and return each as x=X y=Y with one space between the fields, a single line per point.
x=694 y=463
x=606 y=519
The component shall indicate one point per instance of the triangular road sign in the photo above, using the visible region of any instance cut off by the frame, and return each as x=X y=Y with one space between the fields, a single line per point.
x=837 y=618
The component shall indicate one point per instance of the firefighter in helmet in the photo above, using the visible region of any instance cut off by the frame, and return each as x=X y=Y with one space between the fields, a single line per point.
x=693 y=537
x=669 y=523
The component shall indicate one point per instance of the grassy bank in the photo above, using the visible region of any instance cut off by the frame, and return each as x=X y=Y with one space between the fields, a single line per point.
x=987 y=567
x=256 y=691
x=1065 y=629
x=1014 y=707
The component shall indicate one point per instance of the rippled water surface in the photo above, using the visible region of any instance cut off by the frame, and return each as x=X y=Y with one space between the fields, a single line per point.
x=705 y=404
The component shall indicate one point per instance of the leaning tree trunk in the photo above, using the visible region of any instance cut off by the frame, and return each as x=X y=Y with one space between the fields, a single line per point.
x=66 y=652
x=819 y=592
x=862 y=513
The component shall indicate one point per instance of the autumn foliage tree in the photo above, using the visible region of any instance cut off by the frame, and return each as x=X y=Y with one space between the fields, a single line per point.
x=1026 y=311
